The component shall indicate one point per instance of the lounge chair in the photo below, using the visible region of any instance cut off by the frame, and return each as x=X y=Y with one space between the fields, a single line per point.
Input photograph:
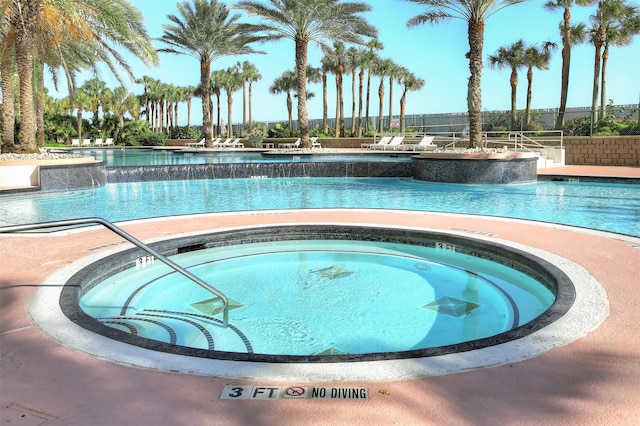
x=426 y=144
x=108 y=142
x=86 y=142
x=75 y=142
x=216 y=143
x=236 y=143
x=97 y=142
x=225 y=144
x=200 y=144
x=315 y=143
x=296 y=144
x=383 y=141
x=396 y=143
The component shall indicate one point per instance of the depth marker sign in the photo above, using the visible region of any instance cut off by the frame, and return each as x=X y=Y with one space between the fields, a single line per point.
x=294 y=392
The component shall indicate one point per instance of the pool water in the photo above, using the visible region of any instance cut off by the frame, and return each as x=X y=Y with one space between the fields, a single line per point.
x=320 y=297
x=605 y=206
x=147 y=157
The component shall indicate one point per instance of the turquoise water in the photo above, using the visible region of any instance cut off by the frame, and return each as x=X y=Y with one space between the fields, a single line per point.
x=320 y=297
x=145 y=157
x=605 y=206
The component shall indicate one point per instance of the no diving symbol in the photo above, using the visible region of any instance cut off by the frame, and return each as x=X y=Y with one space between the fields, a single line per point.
x=295 y=391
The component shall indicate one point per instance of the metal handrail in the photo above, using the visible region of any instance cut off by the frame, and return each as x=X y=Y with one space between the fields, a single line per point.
x=132 y=240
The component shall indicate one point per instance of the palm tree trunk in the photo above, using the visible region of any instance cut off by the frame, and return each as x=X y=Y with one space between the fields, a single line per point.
x=366 y=120
x=205 y=85
x=380 y=103
x=353 y=101
x=403 y=103
x=514 y=85
x=250 y=106
x=529 y=90
x=290 y=112
x=189 y=113
x=390 y=99
x=229 y=115
x=474 y=91
x=219 y=112
x=603 y=80
x=8 y=112
x=596 y=82
x=338 y=102
x=566 y=62
x=360 y=89
x=325 y=105
x=40 y=111
x=244 y=104
x=24 y=64
x=301 y=72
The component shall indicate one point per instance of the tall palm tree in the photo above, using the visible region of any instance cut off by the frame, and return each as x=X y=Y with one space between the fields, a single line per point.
x=231 y=82
x=335 y=59
x=326 y=67
x=370 y=61
x=394 y=72
x=188 y=95
x=475 y=13
x=304 y=21
x=146 y=82
x=122 y=102
x=217 y=79
x=94 y=88
x=206 y=31
x=382 y=69
x=535 y=57
x=250 y=74
x=619 y=34
x=609 y=17
x=409 y=83
x=286 y=83
x=567 y=33
x=81 y=102
x=353 y=62
x=100 y=25
x=511 y=57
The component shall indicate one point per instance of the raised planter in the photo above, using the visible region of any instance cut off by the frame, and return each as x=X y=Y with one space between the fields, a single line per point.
x=481 y=168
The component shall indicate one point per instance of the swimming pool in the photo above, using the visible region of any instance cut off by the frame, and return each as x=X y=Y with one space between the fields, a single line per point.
x=147 y=157
x=604 y=206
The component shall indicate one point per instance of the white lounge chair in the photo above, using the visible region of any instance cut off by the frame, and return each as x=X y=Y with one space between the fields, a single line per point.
x=86 y=142
x=216 y=142
x=296 y=144
x=75 y=142
x=315 y=143
x=200 y=144
x=396 y=143
x=236 y=143
x=426 y=144
x=97 y=142
x=383 y=141
x=108 y=142
x=225 y=144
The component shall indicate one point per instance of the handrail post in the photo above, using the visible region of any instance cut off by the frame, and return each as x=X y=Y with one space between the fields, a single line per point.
x=132 y=240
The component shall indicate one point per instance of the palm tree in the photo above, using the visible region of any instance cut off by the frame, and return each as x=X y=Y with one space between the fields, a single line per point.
x=568 y=33
x=81 y=102
x=7 y=70
x=335 y=59
x=122 y=102
x=409 y=83
x=250 y=74
x=99 y=25
x=511 y=57
x=619 y=34
x=94 y=88
x=370 y=61
x=325 y=68
x=353 y=62
x=188 y=95
x=231 y=82
x=539 y=58
x=475 y=13
x=206 y=31
x=304 y=21
x=286 y=83
x=217 y=78
x=382 y=69
x=610 y=16
x=394 y=72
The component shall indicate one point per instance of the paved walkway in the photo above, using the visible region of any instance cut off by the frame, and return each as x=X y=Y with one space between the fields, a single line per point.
x=592 y=381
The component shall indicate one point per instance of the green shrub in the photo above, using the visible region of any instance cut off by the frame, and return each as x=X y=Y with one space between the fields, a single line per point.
x=184 y=132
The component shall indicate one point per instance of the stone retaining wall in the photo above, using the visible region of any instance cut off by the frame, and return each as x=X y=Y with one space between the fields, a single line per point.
x=603 y=151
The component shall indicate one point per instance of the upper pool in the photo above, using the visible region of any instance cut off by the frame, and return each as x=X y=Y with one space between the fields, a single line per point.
x=149 y=157
x=604 y=206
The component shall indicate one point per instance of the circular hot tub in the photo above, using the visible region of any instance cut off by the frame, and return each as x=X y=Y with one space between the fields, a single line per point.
x=302 y=298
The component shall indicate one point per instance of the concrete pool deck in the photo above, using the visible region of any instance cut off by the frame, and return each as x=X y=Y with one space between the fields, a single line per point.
x=594 y=380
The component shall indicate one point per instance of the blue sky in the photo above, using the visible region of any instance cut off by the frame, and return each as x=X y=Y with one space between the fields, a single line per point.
x=434 y=53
